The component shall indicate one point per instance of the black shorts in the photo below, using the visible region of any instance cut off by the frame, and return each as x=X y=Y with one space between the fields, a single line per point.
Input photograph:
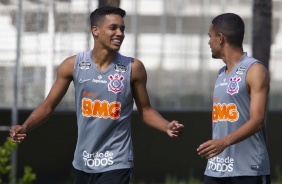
x=238 y=180
x=119 y=176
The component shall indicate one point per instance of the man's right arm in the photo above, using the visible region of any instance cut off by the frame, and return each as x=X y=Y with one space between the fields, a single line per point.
x=46 y=108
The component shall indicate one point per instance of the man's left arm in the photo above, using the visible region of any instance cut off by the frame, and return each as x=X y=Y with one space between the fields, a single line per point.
x=147 y=113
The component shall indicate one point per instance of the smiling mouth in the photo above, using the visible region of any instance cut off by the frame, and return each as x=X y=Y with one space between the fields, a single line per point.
x=117 y=42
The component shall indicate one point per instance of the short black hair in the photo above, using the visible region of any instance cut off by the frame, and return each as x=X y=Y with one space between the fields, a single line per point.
x=98 y=15
x=231 y=26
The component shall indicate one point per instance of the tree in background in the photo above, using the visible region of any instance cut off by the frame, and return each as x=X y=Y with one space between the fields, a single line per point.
x=114 y=3
x=262 y=21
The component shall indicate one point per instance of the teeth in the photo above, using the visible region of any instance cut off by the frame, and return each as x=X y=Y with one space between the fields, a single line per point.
x=118 y=41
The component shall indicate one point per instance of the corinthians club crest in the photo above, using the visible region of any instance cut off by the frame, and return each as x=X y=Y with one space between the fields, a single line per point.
x=116 y=84
x=233 y=86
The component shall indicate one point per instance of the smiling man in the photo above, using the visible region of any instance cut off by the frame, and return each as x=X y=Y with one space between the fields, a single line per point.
x=106 y=86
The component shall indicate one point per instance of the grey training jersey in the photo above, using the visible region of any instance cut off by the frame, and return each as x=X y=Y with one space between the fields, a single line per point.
x=231 y=104
x=103 y=107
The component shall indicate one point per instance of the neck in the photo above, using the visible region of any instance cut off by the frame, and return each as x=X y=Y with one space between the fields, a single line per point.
x=232 y=57
x=103 y=58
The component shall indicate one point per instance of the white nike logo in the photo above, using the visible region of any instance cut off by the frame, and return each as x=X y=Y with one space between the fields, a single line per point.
x=83 y=80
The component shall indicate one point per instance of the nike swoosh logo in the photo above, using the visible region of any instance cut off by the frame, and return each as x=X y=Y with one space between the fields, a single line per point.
x=83 y=80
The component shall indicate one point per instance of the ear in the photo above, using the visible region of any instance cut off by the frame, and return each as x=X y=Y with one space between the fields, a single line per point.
x=95 y=31
x=221 y=38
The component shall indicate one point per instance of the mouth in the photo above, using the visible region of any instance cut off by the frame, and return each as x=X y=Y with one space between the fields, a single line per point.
x=117 y=42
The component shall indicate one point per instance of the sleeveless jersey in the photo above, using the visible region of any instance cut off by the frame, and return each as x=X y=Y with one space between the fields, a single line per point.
x=231 y=104
x=104 y=105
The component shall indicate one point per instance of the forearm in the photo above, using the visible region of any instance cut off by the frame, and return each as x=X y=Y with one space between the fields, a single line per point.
x=154 y=119
x=248 y=129
x=37 y=117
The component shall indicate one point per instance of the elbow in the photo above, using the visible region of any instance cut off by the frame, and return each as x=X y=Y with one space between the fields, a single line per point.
x=47 y=108
x=144 y=112
x=259 y=124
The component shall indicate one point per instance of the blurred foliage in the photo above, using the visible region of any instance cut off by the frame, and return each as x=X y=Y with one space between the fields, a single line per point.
x=6 y=177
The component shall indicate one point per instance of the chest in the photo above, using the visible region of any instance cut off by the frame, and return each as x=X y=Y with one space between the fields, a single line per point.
x=231 y=86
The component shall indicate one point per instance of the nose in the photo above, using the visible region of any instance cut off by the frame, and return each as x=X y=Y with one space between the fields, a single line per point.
x=120 y=32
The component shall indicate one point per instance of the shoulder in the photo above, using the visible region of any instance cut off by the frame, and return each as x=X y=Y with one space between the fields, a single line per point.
x=68 y=62
x=67 y=66
x=138 y=69
x=137 y=64
x=258 y=74
x=257 y=69
x=70 y=59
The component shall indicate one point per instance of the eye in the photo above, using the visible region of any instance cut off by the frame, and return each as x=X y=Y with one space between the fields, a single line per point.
x=113 y=27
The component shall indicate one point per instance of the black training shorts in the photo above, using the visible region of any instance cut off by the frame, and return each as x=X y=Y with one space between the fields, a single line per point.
x=119 y=176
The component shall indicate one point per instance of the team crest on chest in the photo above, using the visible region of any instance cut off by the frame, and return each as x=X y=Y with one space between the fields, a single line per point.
x=233 y=86
x=116 y=84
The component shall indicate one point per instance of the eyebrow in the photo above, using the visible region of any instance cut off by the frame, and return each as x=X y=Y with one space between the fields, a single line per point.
x=116 y=25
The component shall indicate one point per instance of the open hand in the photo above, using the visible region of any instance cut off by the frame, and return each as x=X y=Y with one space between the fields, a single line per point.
x=211 y=148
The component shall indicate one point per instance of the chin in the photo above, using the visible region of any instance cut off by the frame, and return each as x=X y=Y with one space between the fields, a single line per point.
x=116 y=50
x=214 y=56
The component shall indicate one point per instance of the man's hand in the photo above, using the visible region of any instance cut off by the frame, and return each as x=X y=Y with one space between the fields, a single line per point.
x=17 y=133
x=211 y=148
x=175 y=129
